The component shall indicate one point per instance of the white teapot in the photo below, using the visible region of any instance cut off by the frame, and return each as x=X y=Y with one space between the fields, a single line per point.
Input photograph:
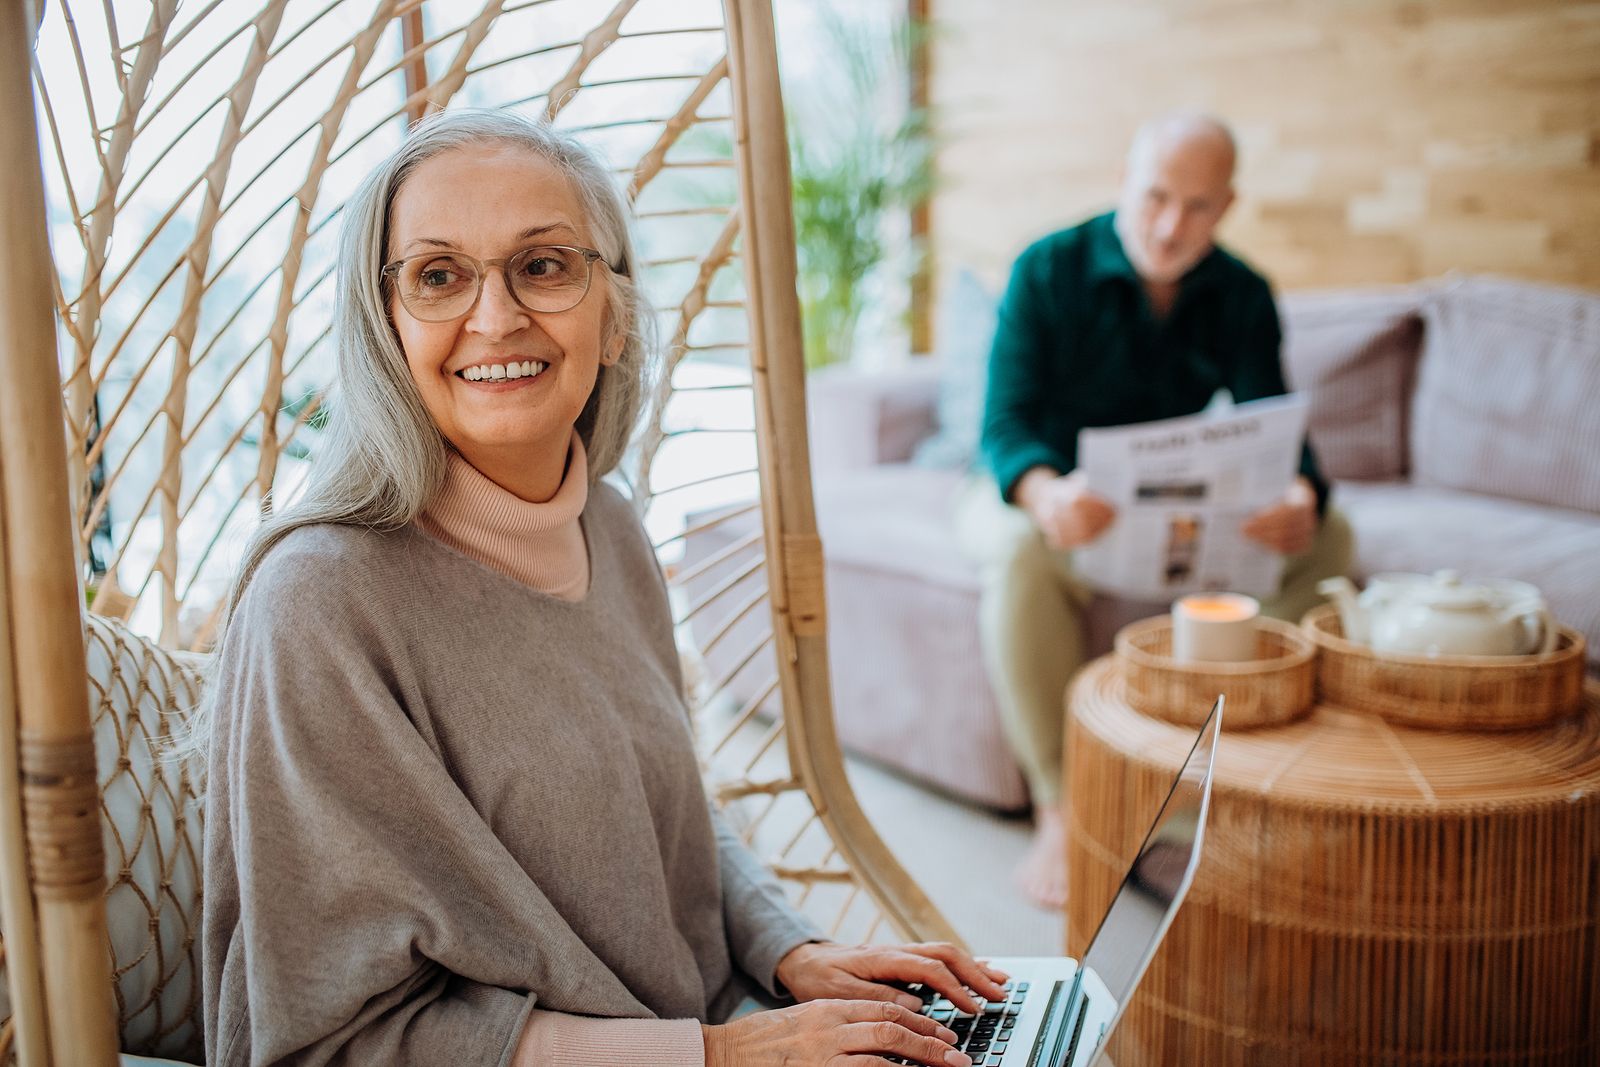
x=1443 y=616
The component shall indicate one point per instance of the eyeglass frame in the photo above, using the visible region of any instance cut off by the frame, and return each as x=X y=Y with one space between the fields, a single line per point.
x=481 y=266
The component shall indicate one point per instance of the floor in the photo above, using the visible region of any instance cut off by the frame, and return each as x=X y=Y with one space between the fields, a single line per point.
x=962 y=857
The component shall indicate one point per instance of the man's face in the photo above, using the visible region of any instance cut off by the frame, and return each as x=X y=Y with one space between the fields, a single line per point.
x=1173 y=196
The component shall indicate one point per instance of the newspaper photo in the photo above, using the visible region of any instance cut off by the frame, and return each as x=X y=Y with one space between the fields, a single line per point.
x=1182 y=489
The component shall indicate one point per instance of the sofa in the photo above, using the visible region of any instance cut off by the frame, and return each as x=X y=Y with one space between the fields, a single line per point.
x=1459 y=420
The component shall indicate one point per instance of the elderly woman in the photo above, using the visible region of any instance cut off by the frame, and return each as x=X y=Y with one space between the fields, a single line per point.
x=454 y=813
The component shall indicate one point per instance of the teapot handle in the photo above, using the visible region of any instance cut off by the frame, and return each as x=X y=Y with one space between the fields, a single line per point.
x=1547 y=630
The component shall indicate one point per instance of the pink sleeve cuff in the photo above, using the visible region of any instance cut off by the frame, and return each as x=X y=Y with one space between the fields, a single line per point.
x=556 y=1039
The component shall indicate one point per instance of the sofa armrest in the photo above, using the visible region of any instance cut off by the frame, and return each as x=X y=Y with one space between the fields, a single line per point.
x=864 y=418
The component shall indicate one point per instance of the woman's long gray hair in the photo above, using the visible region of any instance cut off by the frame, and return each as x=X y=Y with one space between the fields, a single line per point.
x=380 y=458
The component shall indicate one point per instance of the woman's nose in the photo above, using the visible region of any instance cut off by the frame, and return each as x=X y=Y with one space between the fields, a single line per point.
x=497 y=313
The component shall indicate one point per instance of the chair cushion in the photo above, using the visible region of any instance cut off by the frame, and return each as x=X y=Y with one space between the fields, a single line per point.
x=1507 y=392
x=139 y=693
x=1401 y=527
x=1354 y=352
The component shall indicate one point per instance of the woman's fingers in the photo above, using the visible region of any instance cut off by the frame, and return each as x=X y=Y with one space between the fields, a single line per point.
x=880 y=1011
x=882 y=1027
x=889 y=1028
x=889 y=1039
x=849 y=987
x=966 y=970
x=908 y=965
x=937 y=975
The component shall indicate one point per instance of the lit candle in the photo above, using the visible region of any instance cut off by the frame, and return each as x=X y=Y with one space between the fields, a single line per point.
x=1215 y=627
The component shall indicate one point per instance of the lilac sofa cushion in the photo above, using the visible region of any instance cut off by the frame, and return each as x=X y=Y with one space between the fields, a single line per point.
x=1508 y=396
x=1404 y=527
x=1355 y=352
x=908 y=677
x=896 y=518
x=861 y=418
x=909 y=687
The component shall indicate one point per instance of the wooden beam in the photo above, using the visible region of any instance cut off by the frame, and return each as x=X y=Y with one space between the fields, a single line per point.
x=412 y=34
x=920 y=60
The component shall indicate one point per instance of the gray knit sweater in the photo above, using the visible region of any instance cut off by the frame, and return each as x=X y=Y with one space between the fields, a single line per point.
x=438 y=797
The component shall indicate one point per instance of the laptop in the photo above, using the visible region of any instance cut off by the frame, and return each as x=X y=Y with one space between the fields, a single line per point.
x=1060 y=1013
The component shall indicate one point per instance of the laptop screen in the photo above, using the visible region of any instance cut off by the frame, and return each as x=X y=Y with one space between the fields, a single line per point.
x=1156 y=883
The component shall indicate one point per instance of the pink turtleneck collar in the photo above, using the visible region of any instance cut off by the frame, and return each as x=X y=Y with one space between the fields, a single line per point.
x=540 y=545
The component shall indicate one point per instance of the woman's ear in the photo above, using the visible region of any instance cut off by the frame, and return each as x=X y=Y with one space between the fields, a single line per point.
x=614 y=346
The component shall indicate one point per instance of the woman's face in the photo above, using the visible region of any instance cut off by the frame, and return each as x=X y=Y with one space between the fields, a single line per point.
x=492 y=201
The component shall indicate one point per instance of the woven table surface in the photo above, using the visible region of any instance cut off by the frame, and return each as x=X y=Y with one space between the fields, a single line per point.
x=1354 y=761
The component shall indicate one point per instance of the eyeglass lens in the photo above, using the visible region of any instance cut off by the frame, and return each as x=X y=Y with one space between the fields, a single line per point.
x=441 y=286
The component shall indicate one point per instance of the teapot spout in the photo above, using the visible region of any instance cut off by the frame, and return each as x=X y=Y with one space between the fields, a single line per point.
x=1352 y=617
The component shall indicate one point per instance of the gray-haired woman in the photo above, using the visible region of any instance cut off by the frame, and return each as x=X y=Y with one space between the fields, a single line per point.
x=454 y=812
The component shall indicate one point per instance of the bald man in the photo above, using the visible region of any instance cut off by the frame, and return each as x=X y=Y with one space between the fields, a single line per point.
x=1129 y=317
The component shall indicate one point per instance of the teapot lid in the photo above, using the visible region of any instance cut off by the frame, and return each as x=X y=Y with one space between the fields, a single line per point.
x=1445 y=591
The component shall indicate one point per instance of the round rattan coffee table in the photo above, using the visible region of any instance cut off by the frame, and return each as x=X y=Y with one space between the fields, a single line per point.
x=1369 y=893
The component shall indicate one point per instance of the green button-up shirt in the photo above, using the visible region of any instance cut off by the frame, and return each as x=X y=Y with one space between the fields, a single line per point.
x=1078 y=345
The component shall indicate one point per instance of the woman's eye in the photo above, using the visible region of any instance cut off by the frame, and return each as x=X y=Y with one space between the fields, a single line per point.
x=546 y=267
x=434 y=277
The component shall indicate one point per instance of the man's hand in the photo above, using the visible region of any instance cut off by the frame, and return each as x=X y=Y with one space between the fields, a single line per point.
x=1063 y=508
x=864 y=972
x=1288 y=526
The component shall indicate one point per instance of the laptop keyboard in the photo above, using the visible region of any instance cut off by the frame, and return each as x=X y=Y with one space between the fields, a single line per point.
x=983 y=1036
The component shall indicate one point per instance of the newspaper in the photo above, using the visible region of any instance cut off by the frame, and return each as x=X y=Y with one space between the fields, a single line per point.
x=1182 y=489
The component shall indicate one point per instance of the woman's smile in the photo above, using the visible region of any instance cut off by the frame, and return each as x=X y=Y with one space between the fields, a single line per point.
x=502 y=372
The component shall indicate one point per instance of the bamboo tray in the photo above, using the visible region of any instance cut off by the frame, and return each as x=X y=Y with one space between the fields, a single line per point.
x=1447 y=692
x=1276 y=687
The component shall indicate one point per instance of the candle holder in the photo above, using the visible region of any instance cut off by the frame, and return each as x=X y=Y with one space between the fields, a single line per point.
x=1277 y=686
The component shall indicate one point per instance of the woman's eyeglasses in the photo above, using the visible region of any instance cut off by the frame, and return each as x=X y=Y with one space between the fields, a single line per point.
x=441 y=286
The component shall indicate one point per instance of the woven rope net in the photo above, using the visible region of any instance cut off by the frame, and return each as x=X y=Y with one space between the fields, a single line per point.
x=197 y=158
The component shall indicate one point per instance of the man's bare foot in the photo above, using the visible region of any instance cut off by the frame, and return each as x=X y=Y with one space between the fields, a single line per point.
x=1042 y=873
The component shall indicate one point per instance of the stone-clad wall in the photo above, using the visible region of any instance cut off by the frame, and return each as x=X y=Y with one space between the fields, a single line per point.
x=1383 y=140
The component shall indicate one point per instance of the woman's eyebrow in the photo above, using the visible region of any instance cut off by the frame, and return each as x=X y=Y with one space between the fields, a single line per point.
x=531 y=233
x=541 y=231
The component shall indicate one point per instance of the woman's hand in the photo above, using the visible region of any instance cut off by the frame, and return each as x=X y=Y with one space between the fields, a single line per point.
x=834 y=1033
x=864 y=972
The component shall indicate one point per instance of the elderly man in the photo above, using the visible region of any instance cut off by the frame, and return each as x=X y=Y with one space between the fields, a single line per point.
x=1129 y=317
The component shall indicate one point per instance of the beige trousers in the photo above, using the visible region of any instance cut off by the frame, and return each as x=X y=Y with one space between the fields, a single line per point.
x=1031 y=619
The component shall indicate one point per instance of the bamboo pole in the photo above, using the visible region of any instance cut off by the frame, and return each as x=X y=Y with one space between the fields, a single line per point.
x=197 y=259
x=119 y=141
x=794 y=552
x=24 y=979
x=361 y=51
x=61 y=809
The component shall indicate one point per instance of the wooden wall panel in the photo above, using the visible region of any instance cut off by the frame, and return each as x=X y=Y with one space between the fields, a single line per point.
x=1382 y=140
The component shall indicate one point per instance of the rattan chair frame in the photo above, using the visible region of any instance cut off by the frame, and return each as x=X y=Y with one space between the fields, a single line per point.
x=52 y=879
